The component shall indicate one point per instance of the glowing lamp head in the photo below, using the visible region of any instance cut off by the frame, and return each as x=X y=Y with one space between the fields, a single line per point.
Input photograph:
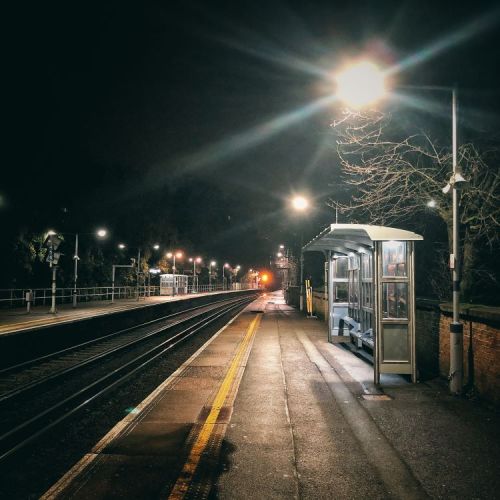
x=264 y=278
x=432 y=204
x=178 y=255
x=102 y=233
x=121 y=246
x=169 y=255
x=156 y=246
x=360 y=84
x=300 y=203
x=198 y=260
x=212 y=263
x=279 y=254
x=226 y=265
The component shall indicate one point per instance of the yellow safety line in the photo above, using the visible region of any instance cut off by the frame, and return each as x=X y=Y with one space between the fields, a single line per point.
x=186 y=476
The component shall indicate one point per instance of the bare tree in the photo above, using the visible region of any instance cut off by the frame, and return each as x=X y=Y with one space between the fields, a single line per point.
x=397 y=179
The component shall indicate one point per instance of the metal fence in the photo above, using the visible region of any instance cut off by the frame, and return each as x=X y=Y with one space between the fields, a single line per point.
x=16 y=297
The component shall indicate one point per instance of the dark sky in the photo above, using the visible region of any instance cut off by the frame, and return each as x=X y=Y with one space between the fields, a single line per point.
x=187 y=118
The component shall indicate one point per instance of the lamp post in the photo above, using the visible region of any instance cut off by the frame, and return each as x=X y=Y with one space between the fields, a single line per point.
x=301 y=204
x=212 y=264
x=101 y=233
x=173 y=255
x=364 y=83
x=196 y=260
x=225 y=266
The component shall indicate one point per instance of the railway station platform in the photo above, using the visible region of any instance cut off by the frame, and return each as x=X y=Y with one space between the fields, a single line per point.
x=269 y=409
x=17 y=319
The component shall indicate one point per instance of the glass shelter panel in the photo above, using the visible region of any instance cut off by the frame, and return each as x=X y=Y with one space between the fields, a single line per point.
x=394 y=259
x=341 y=266
x=395 y=300
x=395 y=344
x=341 y=292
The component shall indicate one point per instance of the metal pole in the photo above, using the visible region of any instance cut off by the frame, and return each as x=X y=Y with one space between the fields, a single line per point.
x=137 y=273
x=210 y=277
x=75 y=275
x=223 y=287
x=173 y=284
x=301 y=280
x=53 y=306
x=456 y=328
x=113 y=285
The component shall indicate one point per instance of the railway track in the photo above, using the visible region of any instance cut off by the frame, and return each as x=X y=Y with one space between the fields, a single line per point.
x=34 y=379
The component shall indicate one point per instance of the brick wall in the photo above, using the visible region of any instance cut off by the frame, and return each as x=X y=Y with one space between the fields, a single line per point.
x=481 y=357
x=427 y=319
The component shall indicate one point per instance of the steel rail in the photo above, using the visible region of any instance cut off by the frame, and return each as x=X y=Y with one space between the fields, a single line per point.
x=66 y=350
x=52 y=416
x=109 y=351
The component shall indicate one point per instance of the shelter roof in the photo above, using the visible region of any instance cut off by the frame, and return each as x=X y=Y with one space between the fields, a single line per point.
x=356 y=237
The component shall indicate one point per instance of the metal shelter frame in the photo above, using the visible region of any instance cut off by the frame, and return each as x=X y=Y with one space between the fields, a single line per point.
x=370 y=276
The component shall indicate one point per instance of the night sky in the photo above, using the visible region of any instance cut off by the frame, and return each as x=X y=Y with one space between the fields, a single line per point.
x=187 y=120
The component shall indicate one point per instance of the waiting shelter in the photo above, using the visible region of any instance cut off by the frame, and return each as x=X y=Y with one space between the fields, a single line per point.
x=173 y=284
x=370 y=287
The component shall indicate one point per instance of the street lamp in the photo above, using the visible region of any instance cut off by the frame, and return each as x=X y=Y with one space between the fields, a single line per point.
x=363 y=84
x=195 y=261
x=173 y=255
x=101 y=233
x=212 y=264
x=360 y=84
x=225 y=266
x=301 y=204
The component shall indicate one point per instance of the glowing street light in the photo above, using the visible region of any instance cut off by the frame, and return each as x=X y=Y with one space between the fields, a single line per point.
x=300 y=203
x=196 y=260
x=225 y=266
x=174 y=255
x=121 y=246
x=360 y=84
x=101 y=233
x=212 y=264
x=156 y=246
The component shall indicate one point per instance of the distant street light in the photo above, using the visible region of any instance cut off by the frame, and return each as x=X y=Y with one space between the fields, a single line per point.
x=364 y=83
x=301 y=204
x=101 y=233
x=225 y=266
x=174 y=255
x=195 y=261
x=212 y=264
x=121 y=246
x=156 y=246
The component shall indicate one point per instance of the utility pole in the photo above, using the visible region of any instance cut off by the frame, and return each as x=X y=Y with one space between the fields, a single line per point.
x=456 y=328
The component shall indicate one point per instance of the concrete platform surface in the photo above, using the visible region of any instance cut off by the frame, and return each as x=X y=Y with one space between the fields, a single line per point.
x=269 y=409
